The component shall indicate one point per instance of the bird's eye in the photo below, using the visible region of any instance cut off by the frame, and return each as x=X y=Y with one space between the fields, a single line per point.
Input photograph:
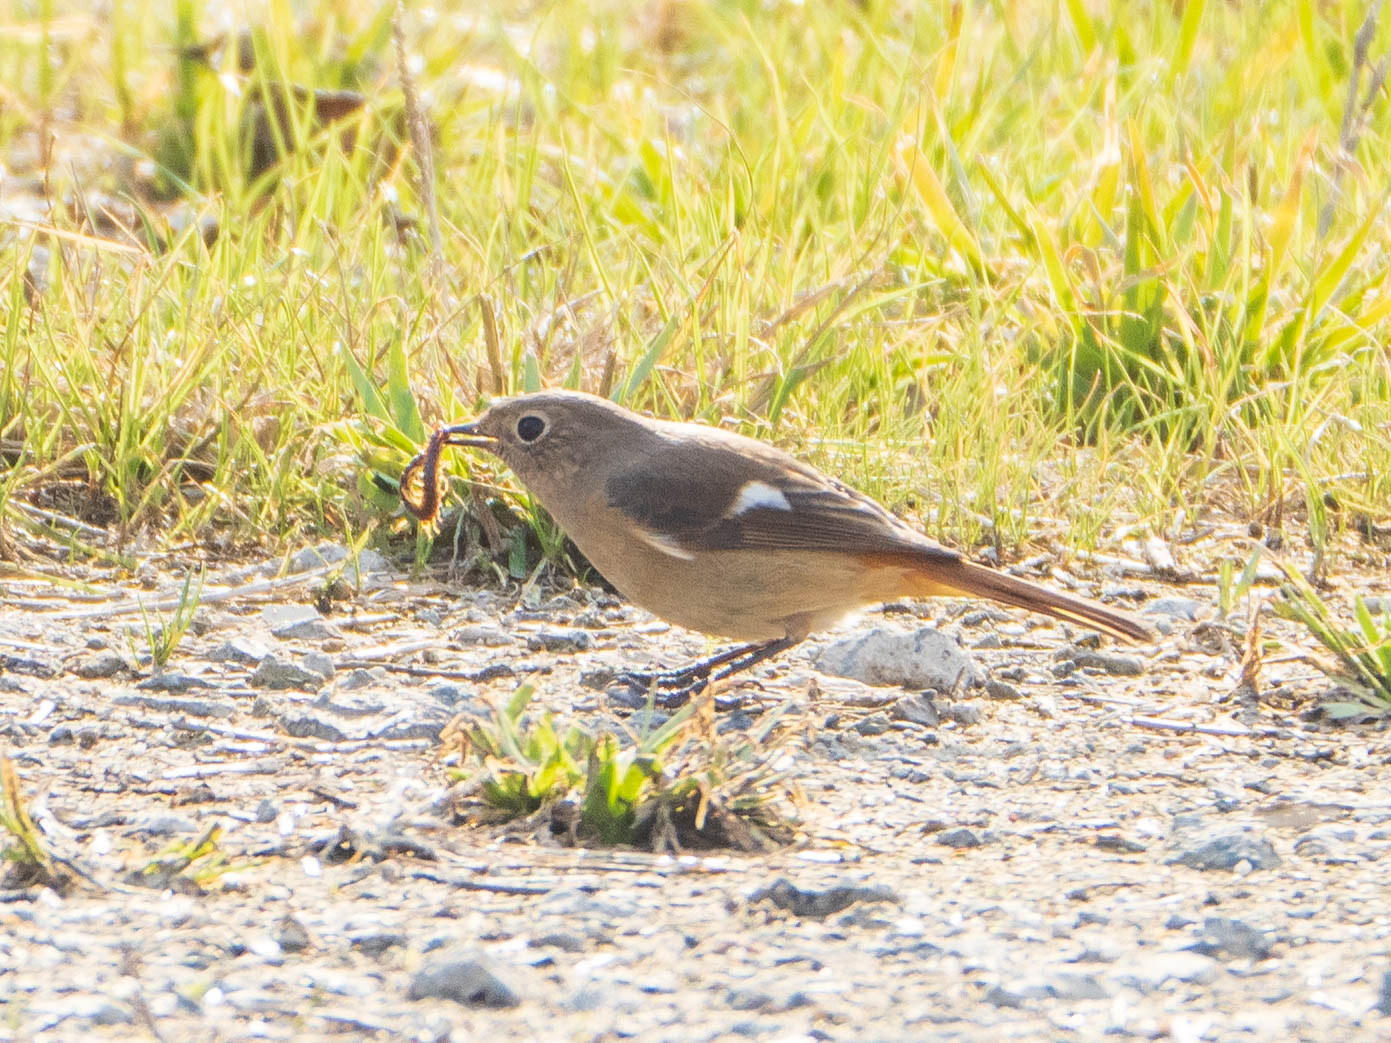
x=530 y=428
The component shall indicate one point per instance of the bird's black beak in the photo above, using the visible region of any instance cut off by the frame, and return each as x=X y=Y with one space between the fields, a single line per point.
x=468 y=435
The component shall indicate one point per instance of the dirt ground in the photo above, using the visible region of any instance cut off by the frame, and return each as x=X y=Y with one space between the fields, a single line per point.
x=1079 y=851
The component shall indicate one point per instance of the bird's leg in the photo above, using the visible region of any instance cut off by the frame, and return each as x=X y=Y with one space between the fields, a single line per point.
x=675 y=687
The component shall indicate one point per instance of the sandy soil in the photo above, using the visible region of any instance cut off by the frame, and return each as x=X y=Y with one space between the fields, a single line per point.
x=1009 y=873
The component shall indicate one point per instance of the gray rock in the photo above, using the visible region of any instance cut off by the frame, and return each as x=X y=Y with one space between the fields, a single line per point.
x=1222 y=936
x=311 y=726
x=998 y=689
x=318 y=663
x=562 y=940
x=100 y=665
x=1383 y=1005
x=960 y=713
x=1153 y=970
x=171 y=681
x=316 y=629
x=239 y=650
x=274 y=674
x=916 y=709
x=461 y=979
x=274 y=616
x=1329 y=844
x=815 y=904
x=922 y=659
x=161 y=824
x=359 y=678
x=1105 y=662
x=1174 y=608
x=960 y=837
x=558 y=641
x=375 y=943
x=1226 y=852
x=874 y=724
x=1015 y=994
x=482 y=634
x=291 y=935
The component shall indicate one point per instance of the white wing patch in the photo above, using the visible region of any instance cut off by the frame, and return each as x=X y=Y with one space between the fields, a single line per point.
x=755 y=495
x=665 y=544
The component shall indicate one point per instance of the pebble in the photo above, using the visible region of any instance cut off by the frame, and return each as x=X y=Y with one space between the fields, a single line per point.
x=919 y=659
x=816 y=904
x=874 y=724
x=239 y=650
x=278 y=675
x=317 y=629
x=480 y=635
x=1105 y=662
x=1154 y=970
x=318 y=663
x=558 y=641
x=170 y=681
x=291 y=935
x=377 y=942
x=961 y=837
x=916 y=709
x=324 y=554
x=463 y=979
x=1223 y=936
x=99 y=666
x=1227 y=852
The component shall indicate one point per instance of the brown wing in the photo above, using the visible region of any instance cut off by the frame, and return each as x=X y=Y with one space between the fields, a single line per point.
x=695 y=494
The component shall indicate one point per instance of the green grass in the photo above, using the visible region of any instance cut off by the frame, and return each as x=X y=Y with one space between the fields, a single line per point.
x=1014 y=267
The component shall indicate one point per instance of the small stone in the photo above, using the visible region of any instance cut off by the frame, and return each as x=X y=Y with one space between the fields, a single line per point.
x=1232 y=938
x=960 y=837
x=239 y=650
x=1065 y=986
x=359 y=678
x=317 y=629
x=311 y=726
x=61 y=735
x=874 y=724
x=377 y=942
x=171 y=681
x=558 y=641
x=482 y=634
x=1175 y=608
x=916 y=709
x=274 y=616
x=318 y=663
x=921 y=659
x=1384 y=997
x=463 y=980
x=1105 y=662
x=1227 y=852
x=277 y=675
x=266 y=811
x=561 y=940
x=100 y=665
x=998 y=689
x=1154 y=970
x=291 y=935
x=817 y=904
x=961 y=714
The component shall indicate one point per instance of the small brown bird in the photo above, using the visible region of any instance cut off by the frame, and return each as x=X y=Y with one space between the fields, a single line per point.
x=721 y=533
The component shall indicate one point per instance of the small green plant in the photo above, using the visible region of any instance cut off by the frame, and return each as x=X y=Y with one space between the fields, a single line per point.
x=1231 y=587
x=1362 y=653
x=672 y=785
x=164 y=636
x=186 y=866
x=30 y=862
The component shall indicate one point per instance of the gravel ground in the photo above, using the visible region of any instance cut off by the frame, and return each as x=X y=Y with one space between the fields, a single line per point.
x=1077 y=850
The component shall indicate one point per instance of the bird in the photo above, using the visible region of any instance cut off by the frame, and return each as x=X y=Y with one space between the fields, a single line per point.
x=722 y=533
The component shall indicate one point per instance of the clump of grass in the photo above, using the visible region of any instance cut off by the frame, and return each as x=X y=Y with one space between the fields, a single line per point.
x=163 y=636
x=190 y=867
x=668 y=787
x=31 y=864
x=1361 y=664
